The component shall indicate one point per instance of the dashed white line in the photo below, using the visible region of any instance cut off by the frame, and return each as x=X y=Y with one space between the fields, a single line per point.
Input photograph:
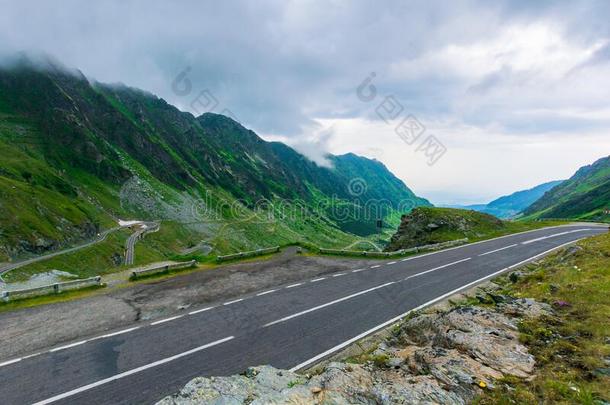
x=357 y=270
x=265 y=292
x=327 y=304
x=68 y=346
x=390 y=263
x=375 y=266
x=131 y=372
x=396 y=318
x=233 y=302
x=200 y=310
x=315 y=280
x=497 y=250
x=293 y=285
x=554 y=235
x=338 y=274
x=117 y=333
x=166 y=320
x=438 y=268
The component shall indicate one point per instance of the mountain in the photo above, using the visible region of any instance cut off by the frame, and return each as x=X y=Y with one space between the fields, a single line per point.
x=585 y=195
x=511 y=205
x=77 y=155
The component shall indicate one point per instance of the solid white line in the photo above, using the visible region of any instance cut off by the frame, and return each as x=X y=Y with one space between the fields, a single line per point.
x=396 y=318
x=390 y=263
x=117 y=333
x=327 y=304
x=68 y=346
x=497 y=250
x=554 y=235
x=233 y=302
x=357 y=270
x=200 y=310
x=438 y=268
x=317 y=279
x=131 y=372
x=166 y=320
x=265 y=292
x=6 y=363
x=338 y=274
x=375 y=266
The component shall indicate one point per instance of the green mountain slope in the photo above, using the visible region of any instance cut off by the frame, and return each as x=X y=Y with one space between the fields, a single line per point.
x=585 y=195
x=76 y=156
x=511 y=205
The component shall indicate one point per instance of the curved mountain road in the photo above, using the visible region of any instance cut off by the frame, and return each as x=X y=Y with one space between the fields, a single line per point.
x=287 y=326
x=101 y=237
x=130 y=244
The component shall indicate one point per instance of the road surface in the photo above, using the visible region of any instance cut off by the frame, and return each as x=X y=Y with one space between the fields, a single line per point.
x=130 y=244
x=100 y=238
x=288 y=326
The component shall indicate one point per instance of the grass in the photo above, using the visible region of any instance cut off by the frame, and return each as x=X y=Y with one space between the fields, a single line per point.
x=570 y=348
x=48 y=299
x=87 y=262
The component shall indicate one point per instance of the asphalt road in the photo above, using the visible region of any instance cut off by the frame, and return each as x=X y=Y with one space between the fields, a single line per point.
x=131 y=241
x=15 y=265
x=289 y=326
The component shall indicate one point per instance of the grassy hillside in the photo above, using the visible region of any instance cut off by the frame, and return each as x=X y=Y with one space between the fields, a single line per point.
x=77 y=156
x=584 y=196
x=571 y=348
x=510 y=206
x=429 y=225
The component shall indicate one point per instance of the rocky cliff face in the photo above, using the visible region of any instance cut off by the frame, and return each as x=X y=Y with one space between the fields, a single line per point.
x=446 y=357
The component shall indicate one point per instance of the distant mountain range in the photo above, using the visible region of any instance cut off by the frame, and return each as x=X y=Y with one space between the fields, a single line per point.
x=78 y=155
x=511 y=205
x=585 y=195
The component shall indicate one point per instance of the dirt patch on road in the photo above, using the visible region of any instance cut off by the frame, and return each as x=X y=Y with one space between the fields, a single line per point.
x=27 y=330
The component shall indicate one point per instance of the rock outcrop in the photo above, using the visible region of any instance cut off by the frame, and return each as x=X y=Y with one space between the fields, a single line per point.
x=444 y=357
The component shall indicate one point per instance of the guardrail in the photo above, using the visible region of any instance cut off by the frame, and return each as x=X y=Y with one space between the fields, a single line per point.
x=161 y=269
x=400 y=252
x=56 y=288
x=252 y=253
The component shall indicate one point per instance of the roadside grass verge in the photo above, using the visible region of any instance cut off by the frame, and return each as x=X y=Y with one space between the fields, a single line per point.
x=87 y=262
x=572 y=349
x=49 y=299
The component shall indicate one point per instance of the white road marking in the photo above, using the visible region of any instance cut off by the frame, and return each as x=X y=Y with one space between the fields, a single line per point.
x=375 y=266
x=357 y=270
x=327 y=304
x=117 y=333
x=6 y=363
x=166 y=320
x=390 y=263
x=438 y=268
x=554 y=235
x=317 y=279
x=131 y=372
x=497 y=250
x=233 y=302
x=294 y=285
x=68 y=346
x=200 y=310
x=338 y=274
x=396 y=318
x=265 y=292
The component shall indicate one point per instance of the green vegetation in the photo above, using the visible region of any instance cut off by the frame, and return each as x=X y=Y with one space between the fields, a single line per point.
x=586 y=195
x=429 y=225
x=78 y=156
x=571 y=349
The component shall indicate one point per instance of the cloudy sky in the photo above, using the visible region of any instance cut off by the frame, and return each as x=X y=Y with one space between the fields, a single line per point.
x=463 y=100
